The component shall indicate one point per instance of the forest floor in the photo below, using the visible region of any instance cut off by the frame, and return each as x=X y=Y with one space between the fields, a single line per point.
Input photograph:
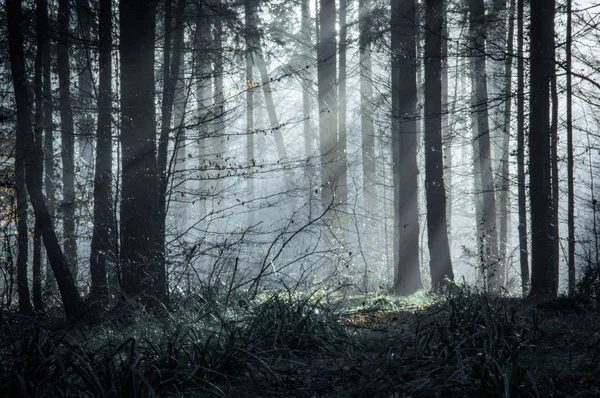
x=289 y=345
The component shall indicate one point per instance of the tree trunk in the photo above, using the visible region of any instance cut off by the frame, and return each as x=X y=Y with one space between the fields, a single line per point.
x=22 y=236
x=85 y=82
x=554 y=223
x=219 y=96
x=71 y=299
x=326 y=76
x=492 y=273
x=41 y=27
x=540 y=192
x=407 y=271
x=306 y=103
x=143 y=274
x=102 y=251
x=203 y=94
x=447 y=133
x=171 y=64
x=251 y=44
x=48 y=145
x=437 y=230
x=570 y=160
x=523 y=250
x=504 y=164
x=366 y=108
x=341 y=193
x=67 y=136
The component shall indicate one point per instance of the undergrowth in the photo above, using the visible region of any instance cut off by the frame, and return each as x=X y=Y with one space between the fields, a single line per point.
x=290 y=344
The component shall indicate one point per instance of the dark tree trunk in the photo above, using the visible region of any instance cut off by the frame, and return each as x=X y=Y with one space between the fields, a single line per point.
x=48 y=145
x=326 y=76
x=41 y=27
x=437 y=231
x=407 y=271
x=22 y=236
x=171 y=64
x=102 y=251
x=491 y=271
x=570 y=160
x=523 y=250
x=143 y=274
x=308 y=88
x=67 y=136
x=70 y=296
x=540 y=188
x=554 y=223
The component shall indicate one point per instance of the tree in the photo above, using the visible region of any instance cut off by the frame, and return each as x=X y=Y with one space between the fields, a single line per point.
x=570 y=160
x=72 y=302
x=251 y=44
x=366 y=106
x=85 y=98
x=326 y=73
x=492 y=273
x=342 y=161
x=142 y=272
x=523 y=250
x=437 y=230
x=67 y=135
x=102 y=248
x=541 y=72
x=407 y=271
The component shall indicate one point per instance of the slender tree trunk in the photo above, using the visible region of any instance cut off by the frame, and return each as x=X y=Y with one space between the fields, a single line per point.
x=85 y=83
x=540 y=187
x=143 y=274
x=204 y=94
x=407 y=271
x=67 y=136
x=251 y=38
x=171 y=64
x=326 y=73
x=570 y=160
x=341 y=193
x=437 y=229
x=48 y=145
x=492 y=273
x=504 y=164
x=22 y=235
x=219 y=95
x=66 y=284
x=447 y=133
x=102 y=251
x=306 y=103
x=366 y=107
x=554 y=223
x=41 y=27
x=523 y=250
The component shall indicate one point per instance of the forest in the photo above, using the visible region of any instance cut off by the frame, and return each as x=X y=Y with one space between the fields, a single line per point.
x=300 y=198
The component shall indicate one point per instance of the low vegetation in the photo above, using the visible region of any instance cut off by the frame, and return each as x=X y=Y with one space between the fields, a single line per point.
x=304 y=345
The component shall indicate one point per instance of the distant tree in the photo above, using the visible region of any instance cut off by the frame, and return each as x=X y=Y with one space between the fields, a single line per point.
x=326 y=75
x=250 y=10
x=72 y=302
x=540 y=187
x=142 y=272
x=102 y=247
x=437 y=230
x=407 y=271
x=67 y=135
x=342 y=159
x=85 y=83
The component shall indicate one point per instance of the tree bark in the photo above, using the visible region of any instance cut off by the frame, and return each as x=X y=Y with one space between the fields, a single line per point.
x=570 y=160
x=407 y=271
x=72 y=301
x=143 y=274
x=102 y=251
x=341 y=193
x=523 y=249
x=540 y=188
x=437 y=230
x=67 y=136
x=326 y=76
x=491 y=271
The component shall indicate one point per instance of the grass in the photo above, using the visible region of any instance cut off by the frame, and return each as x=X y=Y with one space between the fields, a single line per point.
x=297 y=345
